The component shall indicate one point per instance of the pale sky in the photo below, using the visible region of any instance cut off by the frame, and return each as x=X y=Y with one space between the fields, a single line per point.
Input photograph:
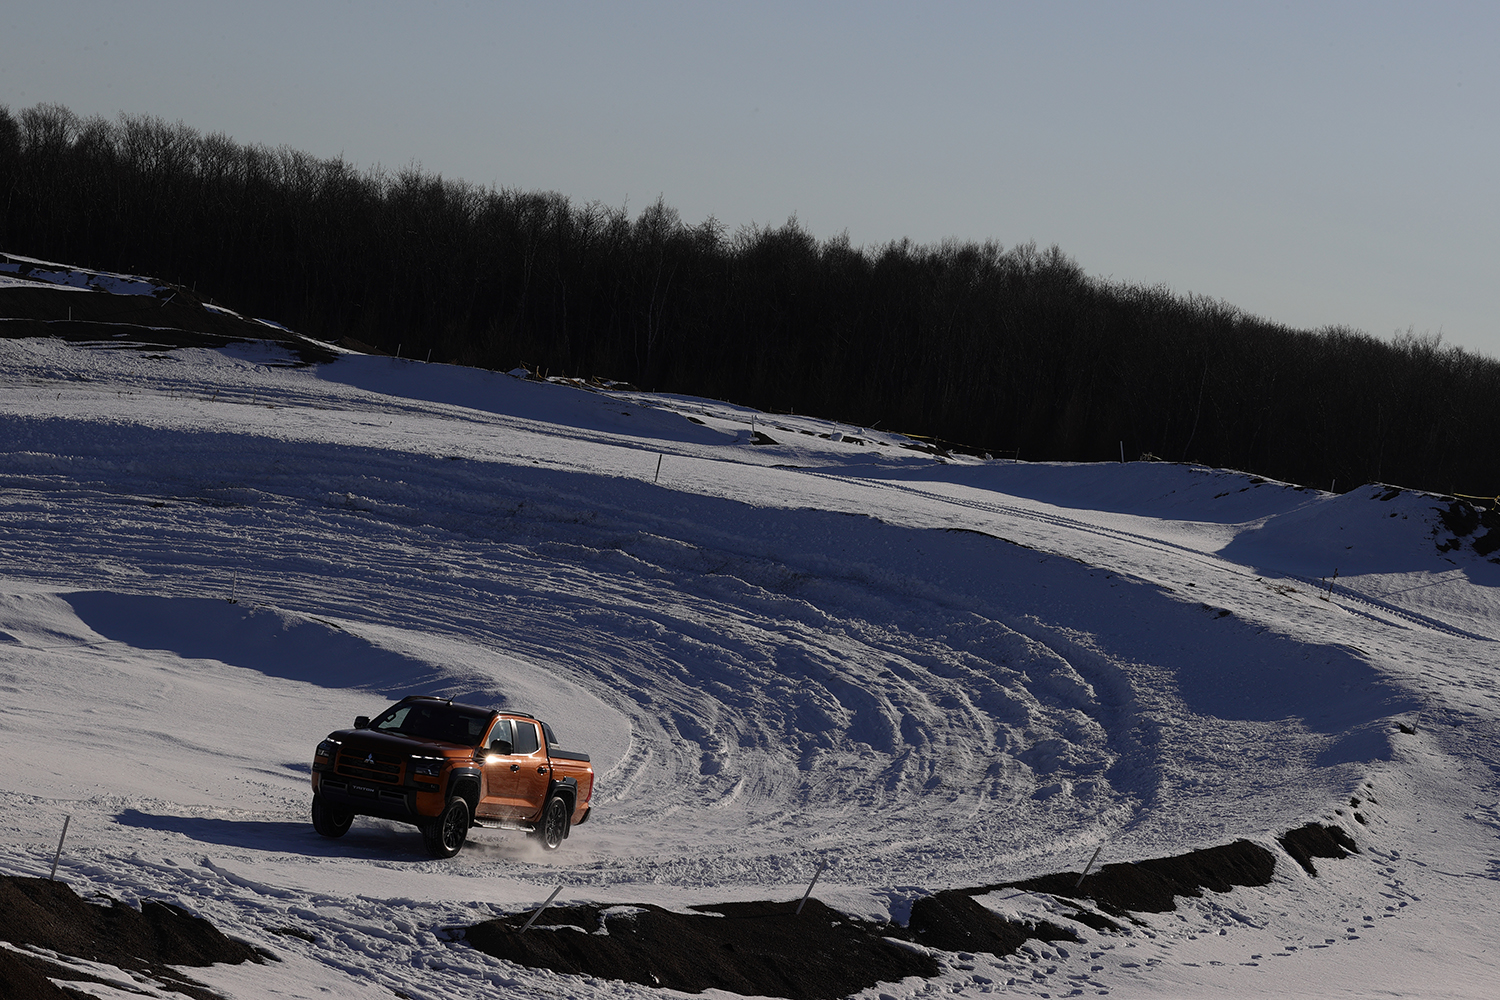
x=1318 y=163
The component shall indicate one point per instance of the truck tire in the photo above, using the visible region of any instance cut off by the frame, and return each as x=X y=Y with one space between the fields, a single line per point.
x=445 y=835
x=330 y=822
x=552 y=829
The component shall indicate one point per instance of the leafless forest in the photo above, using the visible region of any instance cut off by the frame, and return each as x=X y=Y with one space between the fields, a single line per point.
x=1010 y=351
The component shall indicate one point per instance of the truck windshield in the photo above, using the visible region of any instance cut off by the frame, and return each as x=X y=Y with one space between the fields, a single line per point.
x=428 y=721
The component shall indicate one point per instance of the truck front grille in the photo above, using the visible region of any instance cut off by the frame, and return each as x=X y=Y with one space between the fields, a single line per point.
x=367 y=766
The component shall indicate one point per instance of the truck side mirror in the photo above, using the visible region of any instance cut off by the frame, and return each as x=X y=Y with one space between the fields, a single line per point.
x=501 y=747
x=361 y=722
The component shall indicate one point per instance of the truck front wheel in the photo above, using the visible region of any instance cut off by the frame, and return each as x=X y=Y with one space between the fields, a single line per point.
x=553 y=828
x=445 y=835
x=330 y=822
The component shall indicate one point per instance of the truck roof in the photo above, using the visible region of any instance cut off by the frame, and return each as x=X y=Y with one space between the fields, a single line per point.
x=476 y=708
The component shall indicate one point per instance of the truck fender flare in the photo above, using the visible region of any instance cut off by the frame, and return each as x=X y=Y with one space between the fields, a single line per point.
x=568 y=789
x=464 y=782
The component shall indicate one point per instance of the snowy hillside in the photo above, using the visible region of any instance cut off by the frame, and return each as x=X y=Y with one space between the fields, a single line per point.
x=784 y=642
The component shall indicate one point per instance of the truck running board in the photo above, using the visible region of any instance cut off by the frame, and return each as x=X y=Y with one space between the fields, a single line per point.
x=504 y=824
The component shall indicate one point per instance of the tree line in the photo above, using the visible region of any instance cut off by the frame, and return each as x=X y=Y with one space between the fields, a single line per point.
x=1012 y=351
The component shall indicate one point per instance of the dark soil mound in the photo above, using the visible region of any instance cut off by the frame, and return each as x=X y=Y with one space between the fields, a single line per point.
x=1314 y=841
x=27 y=977
x=953 y=921
x=1465 y=519
x=1153 y=886
x=40 y=913
x=764 y=948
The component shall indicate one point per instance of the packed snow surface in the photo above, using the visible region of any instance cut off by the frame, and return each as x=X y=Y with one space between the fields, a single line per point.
x=784 y=641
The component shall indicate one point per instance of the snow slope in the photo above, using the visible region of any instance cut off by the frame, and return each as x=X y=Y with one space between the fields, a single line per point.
x=929 y=671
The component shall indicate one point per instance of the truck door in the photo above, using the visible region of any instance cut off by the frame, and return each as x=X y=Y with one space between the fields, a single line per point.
x=534 y=773
x=515 y=782
x=498 y=772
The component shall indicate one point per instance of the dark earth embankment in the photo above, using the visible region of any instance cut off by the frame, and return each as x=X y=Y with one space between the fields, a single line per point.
x=1315 y=841
x=37 y=913
x=768 y=949
x=757 y=948
x=1153 y=886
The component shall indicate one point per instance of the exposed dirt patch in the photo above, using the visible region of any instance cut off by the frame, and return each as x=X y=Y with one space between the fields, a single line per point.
x=1153 y=886
x=1464 y=519
x=766 y=949
x=1314 y=841
x=38 y=914
x=758 y=949
x=952 y=921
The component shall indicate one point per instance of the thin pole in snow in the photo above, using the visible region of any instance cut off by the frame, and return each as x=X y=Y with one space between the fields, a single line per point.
x=821 y=865
x=1122 y=452
x=1088 y=866
x=66 y=820
x=539 y=909
x=658 y=471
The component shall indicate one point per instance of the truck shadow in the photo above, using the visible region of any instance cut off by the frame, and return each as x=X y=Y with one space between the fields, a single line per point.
x=367 y=838
x=393 y=843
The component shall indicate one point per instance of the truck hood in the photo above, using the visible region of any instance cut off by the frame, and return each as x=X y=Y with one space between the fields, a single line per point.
x=366 y=740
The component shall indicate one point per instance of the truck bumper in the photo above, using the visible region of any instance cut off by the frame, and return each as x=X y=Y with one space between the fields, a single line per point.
x=366 y=799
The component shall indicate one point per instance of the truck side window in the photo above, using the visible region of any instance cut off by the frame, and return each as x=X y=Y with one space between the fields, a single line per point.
x=526 y=741
x=501 y=731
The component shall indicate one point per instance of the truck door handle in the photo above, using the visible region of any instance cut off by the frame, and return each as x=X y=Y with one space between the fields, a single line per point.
x=515 y=767
x=541 y=769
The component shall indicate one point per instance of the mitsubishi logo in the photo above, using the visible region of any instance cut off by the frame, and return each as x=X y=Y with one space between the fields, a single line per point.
x=370 y=759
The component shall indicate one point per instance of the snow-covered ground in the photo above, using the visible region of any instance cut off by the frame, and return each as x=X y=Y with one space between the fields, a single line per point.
x=829 y=646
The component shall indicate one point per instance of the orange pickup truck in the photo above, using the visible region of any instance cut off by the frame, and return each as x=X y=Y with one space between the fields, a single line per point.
x=446 y=767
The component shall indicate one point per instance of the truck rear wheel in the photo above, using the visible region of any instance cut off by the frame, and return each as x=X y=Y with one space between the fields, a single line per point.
x=330 y=822
x=553 y=828
x=445 y=835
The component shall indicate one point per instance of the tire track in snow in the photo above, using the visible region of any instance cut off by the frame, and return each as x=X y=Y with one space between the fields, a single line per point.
x=801 y=733
x=816 y=697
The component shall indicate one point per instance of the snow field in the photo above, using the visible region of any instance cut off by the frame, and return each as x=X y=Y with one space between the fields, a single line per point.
x=928 y=673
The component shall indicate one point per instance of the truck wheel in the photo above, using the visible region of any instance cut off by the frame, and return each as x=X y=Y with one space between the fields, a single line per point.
x=445 y=835
x=330 y=822
x=553 y=827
